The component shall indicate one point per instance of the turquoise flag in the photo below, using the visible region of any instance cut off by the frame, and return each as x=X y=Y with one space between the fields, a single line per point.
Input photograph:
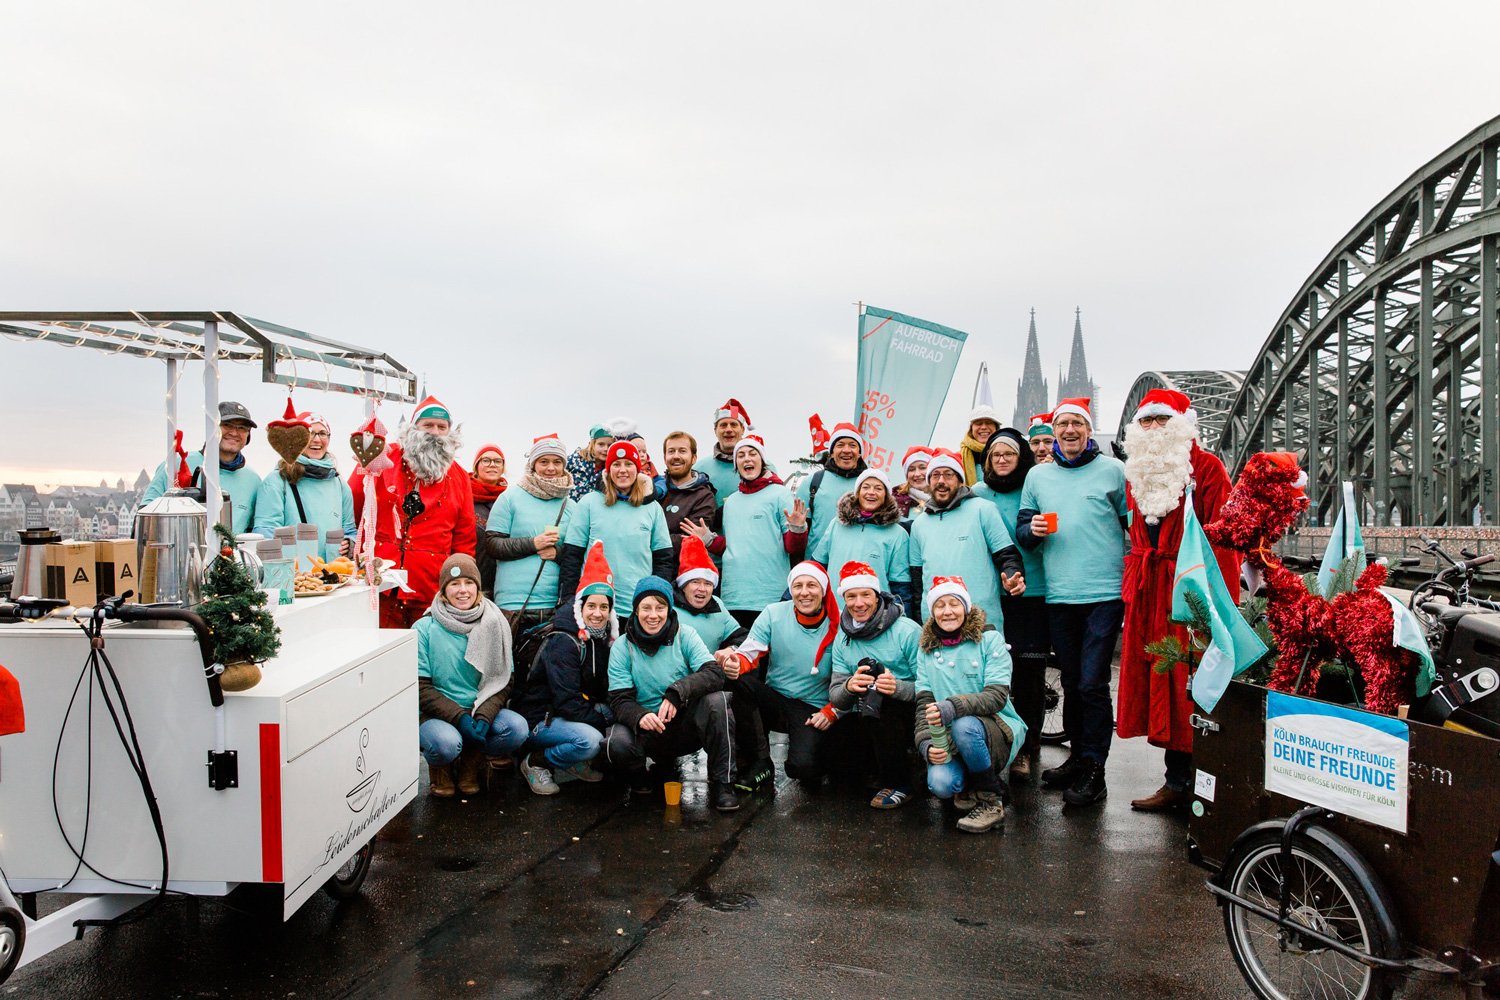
x=1234 y=646
x=905 y=368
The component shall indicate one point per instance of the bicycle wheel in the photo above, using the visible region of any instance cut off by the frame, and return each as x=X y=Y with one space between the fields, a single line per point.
x=347 y=880
x=12 y=941
x=1053 y=733
x=1326 y=897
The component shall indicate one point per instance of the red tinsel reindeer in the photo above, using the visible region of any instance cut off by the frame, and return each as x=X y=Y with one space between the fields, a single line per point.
x=1354 y=627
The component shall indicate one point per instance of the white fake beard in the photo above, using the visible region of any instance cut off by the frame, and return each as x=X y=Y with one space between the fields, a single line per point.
x=429 y=455
x=1159 y=465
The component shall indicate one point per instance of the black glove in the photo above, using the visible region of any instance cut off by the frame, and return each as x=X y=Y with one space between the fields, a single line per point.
x=870 y=701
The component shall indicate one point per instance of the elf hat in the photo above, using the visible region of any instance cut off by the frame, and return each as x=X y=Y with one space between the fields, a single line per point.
x=942 y=458
x=1041 y=424
x=875 y=474
x=808 y=568
x=430 y=407
x=1165 y=402
x=595 y=579
x=457 y=567
x=984 y=412
x=1078 y=405
x=547 y=444
x=625 y=450
x=944 y=586
x=916 y=453
x=694 y=563
x=733 y=409
x=857 y=575
x=845 y=430
x=754 y=441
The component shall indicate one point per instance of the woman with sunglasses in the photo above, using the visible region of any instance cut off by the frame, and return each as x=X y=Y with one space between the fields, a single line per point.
x=308 y=491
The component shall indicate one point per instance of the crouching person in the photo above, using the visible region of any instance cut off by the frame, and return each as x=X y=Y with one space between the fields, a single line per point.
x=668 y=696
x=963 y=699
x=463 y=681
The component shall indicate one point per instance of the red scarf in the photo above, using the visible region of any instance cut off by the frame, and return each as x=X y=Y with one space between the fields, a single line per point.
x=756 y=485
x=484 y=492
x=829 y=614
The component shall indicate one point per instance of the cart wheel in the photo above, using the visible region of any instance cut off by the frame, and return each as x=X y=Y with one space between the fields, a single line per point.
x=12 y=940
x=1053 y=733
x=1326 y=896
x=347 y=880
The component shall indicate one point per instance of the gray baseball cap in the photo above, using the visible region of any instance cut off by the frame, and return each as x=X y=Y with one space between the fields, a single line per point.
x=230 y=410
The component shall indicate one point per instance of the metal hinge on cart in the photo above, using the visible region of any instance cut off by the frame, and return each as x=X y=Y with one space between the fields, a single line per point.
x=1203 y=724
x=223 y=770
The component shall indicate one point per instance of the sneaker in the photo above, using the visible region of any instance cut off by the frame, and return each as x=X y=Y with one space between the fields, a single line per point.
x=985 y=816
x=890 y=798
x=761 y=775
x=576 y=772
x=1062 y=775
x=538 y=778
x=724 y=798
x=964 y=801
x=1020 y=769
x=442 y=781
x=1088 y=784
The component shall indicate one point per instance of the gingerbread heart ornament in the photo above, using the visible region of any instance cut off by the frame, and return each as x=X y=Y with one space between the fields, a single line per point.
x=368 y=444
x=290 y=435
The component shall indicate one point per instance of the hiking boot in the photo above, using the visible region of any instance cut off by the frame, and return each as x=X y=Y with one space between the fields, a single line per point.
x=467 y=777
x=1088 y=784
x=724 y=798
x=1164 y=799
x=985 y=816
x=442 y=781
x=576 y=772
x=1020 y=769
x=1062 y=775
x=538 y=776
x=965 y=800
x=761 y=775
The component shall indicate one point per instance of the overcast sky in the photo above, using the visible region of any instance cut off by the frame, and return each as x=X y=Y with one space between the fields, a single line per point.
x=565 y=212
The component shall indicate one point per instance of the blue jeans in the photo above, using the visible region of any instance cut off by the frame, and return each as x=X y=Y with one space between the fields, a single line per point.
x=442 y=743
x=565 y=743
x=1084 y=636
x=949 y=778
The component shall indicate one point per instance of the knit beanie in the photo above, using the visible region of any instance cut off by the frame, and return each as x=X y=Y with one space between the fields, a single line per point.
x=547 y=444
x=457 y=567
x=625 y=450
x=649 y=585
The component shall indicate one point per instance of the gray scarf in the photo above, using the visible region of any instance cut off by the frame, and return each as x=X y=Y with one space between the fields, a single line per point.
x=543 y=488
x=489 y=642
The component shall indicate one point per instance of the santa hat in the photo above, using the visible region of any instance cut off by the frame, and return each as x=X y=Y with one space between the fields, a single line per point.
x=819 y=435
x=875 y=474
x=916 y=453
x=808 y=568
x=1041 y=424
x=1078 y=405
x=1165 y=402
x=309 y=418
x=485 y=449
x=856 y=575
x=291 y=418
x=625 y=450
x=1287 y=460
x=945 y=586
x=754 y=441
x=596 y=578
x=942 y=458
x=430 y=407
x=733 y=409
x=984 y=412
x=830 y=607
x=845 y=430
x=694 y=563
x=547 y=444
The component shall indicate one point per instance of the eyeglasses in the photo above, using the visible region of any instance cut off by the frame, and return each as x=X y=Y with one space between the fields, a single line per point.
x=319 y=434
x=1159 y=419
x=492 y=461
x=1058 y=425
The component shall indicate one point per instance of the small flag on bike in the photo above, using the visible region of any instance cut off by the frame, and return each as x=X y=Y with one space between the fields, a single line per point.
x=1234 y=646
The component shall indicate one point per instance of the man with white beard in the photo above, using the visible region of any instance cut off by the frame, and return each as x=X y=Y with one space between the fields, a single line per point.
x=1163 y=461
x=424 y=509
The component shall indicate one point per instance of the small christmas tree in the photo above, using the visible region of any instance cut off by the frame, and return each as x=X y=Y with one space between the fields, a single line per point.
x=244 y=632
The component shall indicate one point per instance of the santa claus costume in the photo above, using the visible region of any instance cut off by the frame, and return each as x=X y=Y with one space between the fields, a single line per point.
x=424 y=512
x=1164 y=460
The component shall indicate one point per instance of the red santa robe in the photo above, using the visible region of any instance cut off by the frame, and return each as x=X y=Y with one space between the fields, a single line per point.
x=419 y=545
x=1157 y=705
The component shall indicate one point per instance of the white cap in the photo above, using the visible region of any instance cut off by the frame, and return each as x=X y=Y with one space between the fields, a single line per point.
x=872 y=474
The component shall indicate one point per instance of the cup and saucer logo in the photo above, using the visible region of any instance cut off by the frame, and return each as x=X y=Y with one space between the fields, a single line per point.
x=359 y=796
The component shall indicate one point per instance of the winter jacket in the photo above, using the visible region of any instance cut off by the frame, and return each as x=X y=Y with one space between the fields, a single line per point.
x=568 y=679
x=789 y=652
x=889 y=638
x=757 y=544
x=636 y=544
x=326 y=502
x=967 y=539
x=585 y=475
x=447 y=684
x=696 y=501
x=973 y=678
x=878 y=540
x=515 y=520
x=421 y=544
x=1009 y=506
x=680 y=671
x=714 y=625
x=1085 y=559
x=823 y=502
x=242 y=484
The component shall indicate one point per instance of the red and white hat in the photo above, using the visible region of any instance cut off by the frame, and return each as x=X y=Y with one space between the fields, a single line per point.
x=942 y=458
x=945 y=586
x=291 y=418
x=734 y=410
x=1078 y=405
x=845 y=430
x=1165 y=402
x=916 y=453
x=309 y=417
x=808 y=568
x=876 y=474
x=547 y=444
x=625 y=450
x=430 y=407
x=754 y=441
x=857 y=575
x=694 y=563
x=596 y=578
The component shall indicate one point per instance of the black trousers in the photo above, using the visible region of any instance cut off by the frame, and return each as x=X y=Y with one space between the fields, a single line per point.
x=1029 y=636
x=745 y=618
x=780 y=714
x=704 y=724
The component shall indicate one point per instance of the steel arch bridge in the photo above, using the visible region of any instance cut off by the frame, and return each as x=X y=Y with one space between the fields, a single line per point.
x=1384 y=369
x=1212 y=393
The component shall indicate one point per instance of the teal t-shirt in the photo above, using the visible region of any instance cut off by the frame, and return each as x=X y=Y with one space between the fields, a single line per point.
x=825 y=508
x=241 y=484
x=896 y=649
x=327 y=503
x=794 y=668
x=885 y=547
x=630 y=667
x=713 y=627
x=966 y=669
x=1009 y=505
x=959 y=542
x=630 y=535
x=440 y=657
x=755 y=560
x=519 y=514
x=1085 y=559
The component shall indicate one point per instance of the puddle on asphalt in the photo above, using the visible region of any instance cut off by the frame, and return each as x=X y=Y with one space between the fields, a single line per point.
x=727 y=902
x=455 y=864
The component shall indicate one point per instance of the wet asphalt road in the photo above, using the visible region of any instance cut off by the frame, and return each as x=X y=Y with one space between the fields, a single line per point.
x=796 y=895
